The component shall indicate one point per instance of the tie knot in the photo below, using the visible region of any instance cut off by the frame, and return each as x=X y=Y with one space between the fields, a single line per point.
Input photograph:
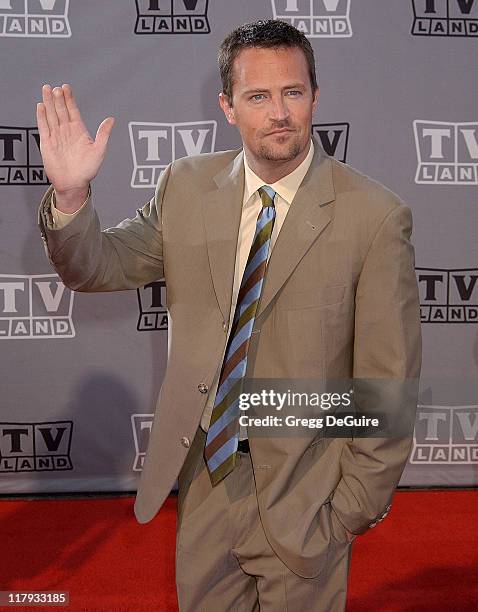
x=267 y=195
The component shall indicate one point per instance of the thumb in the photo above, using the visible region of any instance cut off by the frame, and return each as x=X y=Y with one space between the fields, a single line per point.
x=104 y=131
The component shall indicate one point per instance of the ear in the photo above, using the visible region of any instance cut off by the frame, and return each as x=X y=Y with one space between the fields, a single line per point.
x=227 y=108
x=316 y=100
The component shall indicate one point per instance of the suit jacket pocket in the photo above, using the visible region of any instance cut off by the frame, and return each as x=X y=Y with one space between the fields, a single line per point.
x=338 y=531
x=312 y=298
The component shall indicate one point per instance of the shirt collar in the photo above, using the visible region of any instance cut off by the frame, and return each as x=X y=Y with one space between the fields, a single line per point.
x=286 y=187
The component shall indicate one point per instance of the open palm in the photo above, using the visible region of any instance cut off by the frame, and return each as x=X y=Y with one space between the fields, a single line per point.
x=71 y=158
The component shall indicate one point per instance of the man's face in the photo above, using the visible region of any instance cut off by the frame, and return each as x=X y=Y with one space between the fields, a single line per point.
x=272 y=103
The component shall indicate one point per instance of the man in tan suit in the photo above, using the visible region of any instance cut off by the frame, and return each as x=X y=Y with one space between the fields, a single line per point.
x=338 y=300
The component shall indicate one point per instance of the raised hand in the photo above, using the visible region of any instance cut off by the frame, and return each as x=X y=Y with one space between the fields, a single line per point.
x=71 y=158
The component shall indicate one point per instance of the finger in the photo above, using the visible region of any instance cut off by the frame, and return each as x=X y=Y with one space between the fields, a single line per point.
x=60 y=106
x=51 y=115
x=104 y=131
x=73 y=110
x=42 y=123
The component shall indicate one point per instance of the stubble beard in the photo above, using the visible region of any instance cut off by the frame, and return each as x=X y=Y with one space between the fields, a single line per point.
x=279 y=154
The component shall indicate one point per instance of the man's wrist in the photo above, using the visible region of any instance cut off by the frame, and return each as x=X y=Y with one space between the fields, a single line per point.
x=69 y=202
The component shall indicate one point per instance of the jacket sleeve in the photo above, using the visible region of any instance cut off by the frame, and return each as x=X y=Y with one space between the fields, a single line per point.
x=387 y=361
x=126 y=256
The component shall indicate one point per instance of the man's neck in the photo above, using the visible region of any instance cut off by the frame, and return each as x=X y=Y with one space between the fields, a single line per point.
x=271 y=171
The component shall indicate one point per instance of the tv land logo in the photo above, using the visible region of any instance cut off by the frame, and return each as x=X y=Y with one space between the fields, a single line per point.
x=448 y=295
x=152 y=307
x=35 y=18
x=447 y=153
x=334 y=138
x=445 y=18
x=446 y=435
x=37 y=306
x=316 y=18
x=35 y=447
x=141 y=424
x=20 y=159
x=172 y=17
x=155 y=145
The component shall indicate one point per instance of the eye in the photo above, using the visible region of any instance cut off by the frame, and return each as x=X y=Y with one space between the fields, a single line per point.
x=294 y=93
x=257 y=97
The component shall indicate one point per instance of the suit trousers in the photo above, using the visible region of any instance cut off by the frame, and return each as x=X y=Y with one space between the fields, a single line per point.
x=223 y=559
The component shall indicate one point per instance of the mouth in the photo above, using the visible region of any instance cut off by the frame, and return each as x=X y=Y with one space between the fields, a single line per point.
x=281 y=131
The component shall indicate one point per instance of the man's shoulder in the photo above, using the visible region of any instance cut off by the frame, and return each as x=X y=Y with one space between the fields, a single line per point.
x=207 y=164
x=353 y=188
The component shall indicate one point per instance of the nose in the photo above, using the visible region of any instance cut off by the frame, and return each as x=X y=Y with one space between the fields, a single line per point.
x=279 y=111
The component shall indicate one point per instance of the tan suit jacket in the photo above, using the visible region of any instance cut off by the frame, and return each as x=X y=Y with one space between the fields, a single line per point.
x=340 y=300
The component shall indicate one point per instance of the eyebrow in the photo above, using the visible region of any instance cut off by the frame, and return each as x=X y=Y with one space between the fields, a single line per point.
x=262 y=90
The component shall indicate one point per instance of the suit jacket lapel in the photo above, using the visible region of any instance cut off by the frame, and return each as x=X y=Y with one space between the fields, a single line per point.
x=222 y=209
x=306 y=219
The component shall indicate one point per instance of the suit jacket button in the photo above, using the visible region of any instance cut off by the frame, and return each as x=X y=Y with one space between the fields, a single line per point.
x=185 y=442
x=203 y=388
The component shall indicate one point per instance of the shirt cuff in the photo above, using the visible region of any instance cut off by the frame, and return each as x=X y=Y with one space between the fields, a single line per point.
x=61 y=219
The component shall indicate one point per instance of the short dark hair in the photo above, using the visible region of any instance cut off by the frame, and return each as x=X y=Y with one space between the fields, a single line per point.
x=267 y=34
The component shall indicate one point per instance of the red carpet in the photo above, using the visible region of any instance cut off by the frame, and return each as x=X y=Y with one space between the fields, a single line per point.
x=422 y=558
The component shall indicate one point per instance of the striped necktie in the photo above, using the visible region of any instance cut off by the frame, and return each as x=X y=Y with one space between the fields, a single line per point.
x=223 y=434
